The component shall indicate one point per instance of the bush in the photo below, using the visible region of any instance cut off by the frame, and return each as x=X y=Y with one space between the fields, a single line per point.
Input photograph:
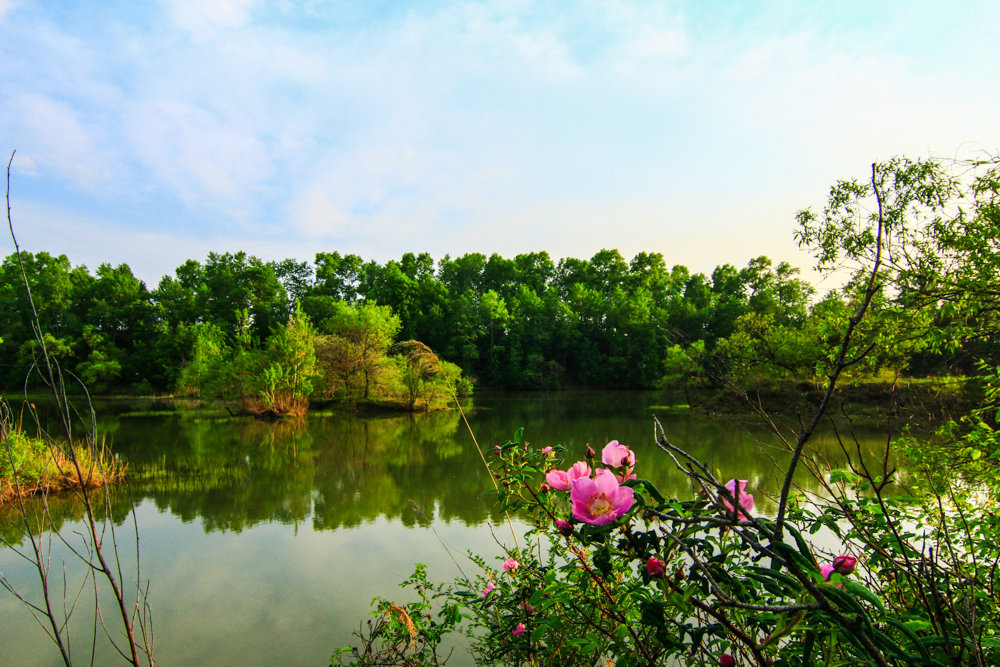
x=612 y=570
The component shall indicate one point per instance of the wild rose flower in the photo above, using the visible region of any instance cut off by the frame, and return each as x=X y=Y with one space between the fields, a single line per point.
x=656 y=567
x=510 y=565
x=564 y=527
x=619 y=456
x=844 y=564
x=841 y=565
x=546 y=450
x=519 y=629
x=560 y=480
x=600 y=500
x=744 y=499
x=490 y=587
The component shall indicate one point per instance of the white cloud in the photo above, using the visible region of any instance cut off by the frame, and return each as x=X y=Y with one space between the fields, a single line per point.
x=203 y=19
x=5 y=7
x=24 y=165
x=60 y=139
x=204 y=158
x=466 y=126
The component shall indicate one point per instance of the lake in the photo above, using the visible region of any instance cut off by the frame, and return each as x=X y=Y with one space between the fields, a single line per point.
x=264 y=543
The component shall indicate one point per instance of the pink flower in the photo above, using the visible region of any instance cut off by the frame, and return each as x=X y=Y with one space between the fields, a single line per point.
x=564 y=527
x=560 y=480
x=619 y=456
x=656 y=567
x=600 y=500
x=844 y=564
x=519 y=629
x=526 y=606
x=510 y=564
x=841 y=565
x=546 y=450
x=744 y=499
x=489 y=589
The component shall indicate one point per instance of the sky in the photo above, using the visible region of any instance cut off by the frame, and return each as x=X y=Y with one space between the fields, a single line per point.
x=154 y=132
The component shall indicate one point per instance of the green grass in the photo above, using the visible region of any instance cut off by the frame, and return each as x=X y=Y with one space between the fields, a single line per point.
x=30 y=466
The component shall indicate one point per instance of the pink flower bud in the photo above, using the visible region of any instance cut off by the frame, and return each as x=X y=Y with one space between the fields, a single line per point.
x=526 y=606
x=655 y=567
x=544 y=488
x=726 y=660
x=510 y=565
x=546 y=450
x=490 y=587
x=844 y=564
x=519 y=629
x=564 y=527
x=589 y=453
x=841 y=565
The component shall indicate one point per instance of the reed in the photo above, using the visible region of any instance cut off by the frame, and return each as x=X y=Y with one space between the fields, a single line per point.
x=32 y=466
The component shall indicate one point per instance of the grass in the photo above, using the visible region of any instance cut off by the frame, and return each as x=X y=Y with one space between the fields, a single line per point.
x=31 y=466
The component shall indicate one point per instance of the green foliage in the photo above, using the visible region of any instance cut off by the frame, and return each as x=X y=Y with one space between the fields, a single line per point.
x=353 y=352
x=290 y=367
x=205 y=372
x=680 y=579
x=912 y=577
x=529 y=322
x=275 y=380
x=939 y=259
x=422 y=380
x=31 y=465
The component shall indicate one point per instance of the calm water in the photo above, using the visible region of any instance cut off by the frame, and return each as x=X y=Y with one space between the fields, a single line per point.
x=264 y=543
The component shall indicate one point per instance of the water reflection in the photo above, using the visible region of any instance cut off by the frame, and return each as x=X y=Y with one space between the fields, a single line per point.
x=343 y=470
x=264 y=543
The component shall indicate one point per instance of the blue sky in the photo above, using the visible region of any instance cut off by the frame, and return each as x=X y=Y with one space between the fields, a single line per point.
x=154 y=132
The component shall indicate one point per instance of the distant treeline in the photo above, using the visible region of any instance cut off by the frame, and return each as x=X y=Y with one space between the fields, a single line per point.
x=525 y=323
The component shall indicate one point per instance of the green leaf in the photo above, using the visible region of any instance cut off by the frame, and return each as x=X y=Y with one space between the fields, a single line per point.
x=801 y=543
x=864 y=592
x=650 y=488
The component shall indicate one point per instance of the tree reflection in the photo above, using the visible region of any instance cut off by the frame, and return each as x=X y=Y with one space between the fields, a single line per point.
x=346 y=470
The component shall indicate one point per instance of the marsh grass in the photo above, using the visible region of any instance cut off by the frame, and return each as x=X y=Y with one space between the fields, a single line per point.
x=31 y=466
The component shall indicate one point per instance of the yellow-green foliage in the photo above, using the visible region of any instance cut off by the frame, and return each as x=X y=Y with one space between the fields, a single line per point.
x=29 y=465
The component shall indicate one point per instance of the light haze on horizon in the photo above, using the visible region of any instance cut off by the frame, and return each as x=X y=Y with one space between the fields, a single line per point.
x=152 y=133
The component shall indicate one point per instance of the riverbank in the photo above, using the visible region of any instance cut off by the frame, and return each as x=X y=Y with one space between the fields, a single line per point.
x=923 y=399
x=920 y=400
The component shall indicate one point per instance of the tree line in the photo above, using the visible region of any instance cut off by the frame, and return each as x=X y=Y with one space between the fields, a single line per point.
x=526 y=322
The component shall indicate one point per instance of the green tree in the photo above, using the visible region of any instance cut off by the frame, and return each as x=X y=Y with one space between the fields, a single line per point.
x=56 y=287
x=353 y=346
x=938 y=223
x=290 y=367
x=423 y=379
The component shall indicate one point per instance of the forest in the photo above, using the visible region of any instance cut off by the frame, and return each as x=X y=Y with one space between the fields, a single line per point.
x=343 y=326
x=525 y=323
